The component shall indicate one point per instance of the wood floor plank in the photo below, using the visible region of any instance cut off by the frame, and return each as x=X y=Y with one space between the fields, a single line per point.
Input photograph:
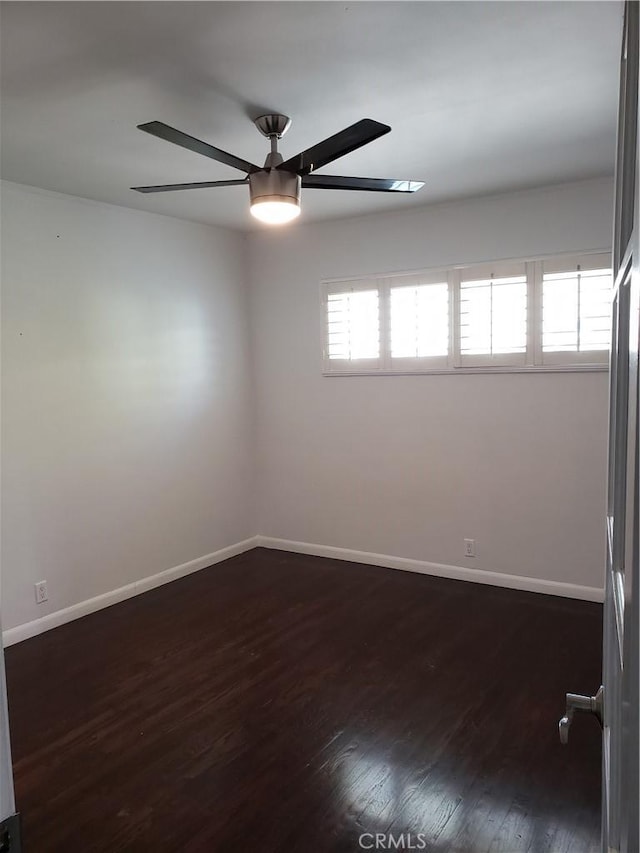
x=281 y=702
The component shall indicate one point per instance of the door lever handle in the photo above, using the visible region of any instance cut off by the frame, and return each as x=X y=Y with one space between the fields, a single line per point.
x=576 y=702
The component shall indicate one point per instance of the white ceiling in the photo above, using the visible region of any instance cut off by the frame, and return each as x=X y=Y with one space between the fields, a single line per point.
x=481 y=96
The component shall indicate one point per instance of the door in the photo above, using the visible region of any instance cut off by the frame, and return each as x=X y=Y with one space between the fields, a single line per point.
x=616 y=703
x=621 y=758
x=9 y=823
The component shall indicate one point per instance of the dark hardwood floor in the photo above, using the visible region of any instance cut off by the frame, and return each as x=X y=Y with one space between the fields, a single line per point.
x=279 y=702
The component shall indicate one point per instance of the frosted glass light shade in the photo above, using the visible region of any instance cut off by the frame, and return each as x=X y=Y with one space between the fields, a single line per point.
x=276 y=212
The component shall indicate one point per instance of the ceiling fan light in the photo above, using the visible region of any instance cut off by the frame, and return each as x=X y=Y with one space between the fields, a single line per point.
x=276 y=211
x=275 y=196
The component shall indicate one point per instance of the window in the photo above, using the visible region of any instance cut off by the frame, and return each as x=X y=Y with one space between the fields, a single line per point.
x=576 y=306
x=353 y=325
x=493 y=316
x=528 y=315
x=420 y=321
x=354 y=331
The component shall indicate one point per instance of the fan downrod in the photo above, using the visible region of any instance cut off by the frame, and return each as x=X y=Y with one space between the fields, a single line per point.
x=273 y=125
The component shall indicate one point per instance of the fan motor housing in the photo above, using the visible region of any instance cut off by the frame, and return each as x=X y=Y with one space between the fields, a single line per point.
x=273 y=185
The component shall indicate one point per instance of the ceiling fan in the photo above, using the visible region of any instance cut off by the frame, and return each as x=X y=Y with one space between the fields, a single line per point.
x=275 y=188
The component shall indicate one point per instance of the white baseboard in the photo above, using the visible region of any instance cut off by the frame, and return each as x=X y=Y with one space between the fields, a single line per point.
x=566 y=590
x=83 y=608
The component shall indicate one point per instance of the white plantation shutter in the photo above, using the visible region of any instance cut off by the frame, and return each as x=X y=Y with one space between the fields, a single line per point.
x=514 y=314
x=419 y=324
x=352 y=331
x=353 y=325
x=493 y=318
x=576 y=310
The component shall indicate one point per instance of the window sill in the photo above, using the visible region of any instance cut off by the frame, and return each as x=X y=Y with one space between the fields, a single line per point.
x=449 y=371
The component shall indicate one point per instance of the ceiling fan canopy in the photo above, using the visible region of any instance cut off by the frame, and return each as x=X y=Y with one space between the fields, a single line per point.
x=275 y=188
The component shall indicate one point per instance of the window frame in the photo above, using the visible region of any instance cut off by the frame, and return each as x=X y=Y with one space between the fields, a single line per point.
x=533 y=360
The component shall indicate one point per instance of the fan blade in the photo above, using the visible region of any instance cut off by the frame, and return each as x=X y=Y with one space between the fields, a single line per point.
x=167 y=188
x=335 y=146
x=170 y=134
x=376 y=185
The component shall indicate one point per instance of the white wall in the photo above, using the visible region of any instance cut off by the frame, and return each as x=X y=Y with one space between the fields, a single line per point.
x=129 y=428
x=127 y=434
x=410 y=465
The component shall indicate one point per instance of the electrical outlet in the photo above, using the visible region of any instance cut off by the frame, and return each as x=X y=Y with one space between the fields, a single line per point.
x=41 y=592
x=469 y=547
